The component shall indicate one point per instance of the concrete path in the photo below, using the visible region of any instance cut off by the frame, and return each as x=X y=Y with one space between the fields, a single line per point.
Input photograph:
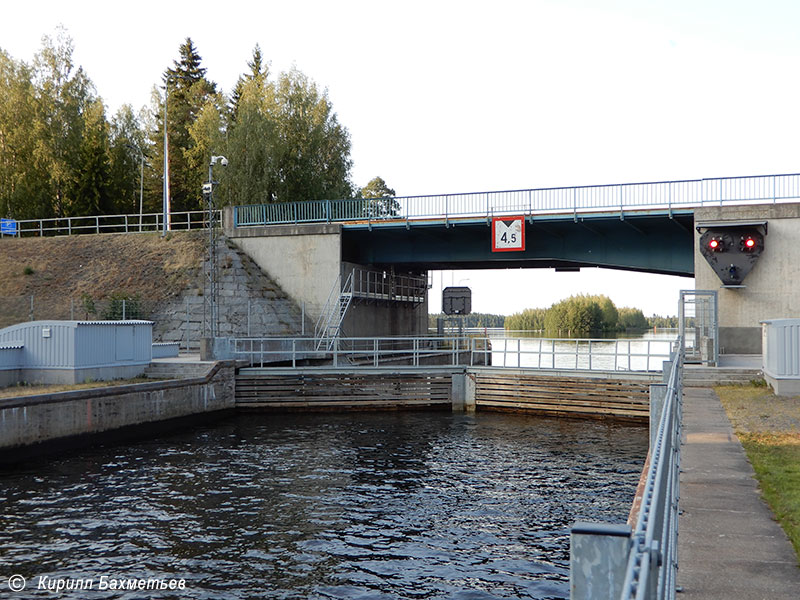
x=729 y=545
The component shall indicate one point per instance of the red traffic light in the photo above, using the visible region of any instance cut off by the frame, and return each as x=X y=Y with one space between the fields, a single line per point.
x=715 y=245
x=748 y=243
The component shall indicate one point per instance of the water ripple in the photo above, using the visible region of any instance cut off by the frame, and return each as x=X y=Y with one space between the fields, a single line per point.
x=364 y=506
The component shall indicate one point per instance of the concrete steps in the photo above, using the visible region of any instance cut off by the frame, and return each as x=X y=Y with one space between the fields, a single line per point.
x=697 y=376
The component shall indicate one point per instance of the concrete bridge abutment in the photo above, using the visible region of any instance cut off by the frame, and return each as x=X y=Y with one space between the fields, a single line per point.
x=307 y=260
x=771 y=290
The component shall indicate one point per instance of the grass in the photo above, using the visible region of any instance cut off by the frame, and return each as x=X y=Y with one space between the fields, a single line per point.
x=768 y=427
x=17 y=391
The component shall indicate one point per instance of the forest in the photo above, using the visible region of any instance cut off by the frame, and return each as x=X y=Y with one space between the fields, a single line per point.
x=579 y=315
x=62 y=155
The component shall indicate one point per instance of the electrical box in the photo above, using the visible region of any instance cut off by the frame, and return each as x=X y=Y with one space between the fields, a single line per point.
x=457 y=301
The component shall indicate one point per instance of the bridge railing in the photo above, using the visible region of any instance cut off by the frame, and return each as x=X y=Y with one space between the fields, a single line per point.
x=669 y=195
x=132 y=223
x=641 y=563
x=525 y=353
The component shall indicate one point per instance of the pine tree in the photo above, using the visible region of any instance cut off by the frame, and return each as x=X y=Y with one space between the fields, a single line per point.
x=188 y=93
x=259 y=72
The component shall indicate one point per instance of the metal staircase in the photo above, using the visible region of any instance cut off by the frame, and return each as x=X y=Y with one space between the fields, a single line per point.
x=329 y=325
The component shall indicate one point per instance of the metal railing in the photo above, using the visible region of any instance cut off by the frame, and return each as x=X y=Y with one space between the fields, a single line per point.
x=605 y=354
x=382 y=285
x=653 y=561
x=136 y=223
x=351 y=352
x=664 y=195
x=528 y=353
x=641 y=563
x=329 y=324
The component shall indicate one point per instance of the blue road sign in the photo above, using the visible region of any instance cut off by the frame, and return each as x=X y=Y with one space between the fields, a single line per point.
x=8 y=227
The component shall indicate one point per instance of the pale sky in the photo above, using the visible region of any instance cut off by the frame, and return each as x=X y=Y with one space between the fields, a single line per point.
x=446 y=97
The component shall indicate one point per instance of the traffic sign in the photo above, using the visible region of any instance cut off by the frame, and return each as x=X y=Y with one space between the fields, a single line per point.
x=8 y=227
x=508 y=234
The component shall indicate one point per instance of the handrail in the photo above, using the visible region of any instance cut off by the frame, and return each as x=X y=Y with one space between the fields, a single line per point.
x=653 y=561
x=123 y=223
x=642 y=563
x=335 y=290
x=627 y=354
x=663 y=195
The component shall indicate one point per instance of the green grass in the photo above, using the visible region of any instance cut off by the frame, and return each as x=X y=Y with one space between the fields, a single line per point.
x=776 y=461
x=20 y=390
x=768 y=427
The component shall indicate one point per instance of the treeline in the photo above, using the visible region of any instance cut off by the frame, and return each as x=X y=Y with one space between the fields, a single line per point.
x=578 y=315
x=61 y=155
x=471 y=320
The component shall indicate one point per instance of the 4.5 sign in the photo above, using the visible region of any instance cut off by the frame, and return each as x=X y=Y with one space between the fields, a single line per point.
x=508 y=234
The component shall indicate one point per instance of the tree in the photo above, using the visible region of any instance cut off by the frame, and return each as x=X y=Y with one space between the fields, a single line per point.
x=127 y=145
x=92 y=178
x=384 y=204
x=188 y=93
x=312 y=149
x=259 y=72
x=284 y=141
x=62 y=97
x=252 y=138
x=631 y=318
x=21 y=183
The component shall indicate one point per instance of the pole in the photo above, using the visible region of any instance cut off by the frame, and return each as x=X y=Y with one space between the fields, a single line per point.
x=141 y=188
x=165 y=197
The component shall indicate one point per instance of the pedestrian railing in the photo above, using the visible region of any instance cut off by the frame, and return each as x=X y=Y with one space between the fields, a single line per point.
x=518 y=353
x=617 y=198
x=135 y=223
x=613 y=561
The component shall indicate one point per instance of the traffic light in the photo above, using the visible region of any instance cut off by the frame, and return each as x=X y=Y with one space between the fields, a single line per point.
x=732 y=249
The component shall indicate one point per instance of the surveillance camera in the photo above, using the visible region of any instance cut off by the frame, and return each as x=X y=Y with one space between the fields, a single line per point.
x=224 y=161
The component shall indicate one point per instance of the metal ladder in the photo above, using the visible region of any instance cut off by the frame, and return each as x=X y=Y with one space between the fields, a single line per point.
x=329 y=324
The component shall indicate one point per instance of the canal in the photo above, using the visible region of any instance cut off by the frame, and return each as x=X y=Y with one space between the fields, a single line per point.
x=363 y=505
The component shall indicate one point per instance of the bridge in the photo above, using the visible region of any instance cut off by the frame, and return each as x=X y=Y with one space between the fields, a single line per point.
x=634 y=226
x=386 y=246
x=647 y=227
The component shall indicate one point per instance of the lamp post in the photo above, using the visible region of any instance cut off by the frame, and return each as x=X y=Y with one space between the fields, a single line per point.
x=165 y=197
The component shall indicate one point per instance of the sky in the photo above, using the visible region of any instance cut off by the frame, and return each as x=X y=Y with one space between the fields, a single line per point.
x=446 y=97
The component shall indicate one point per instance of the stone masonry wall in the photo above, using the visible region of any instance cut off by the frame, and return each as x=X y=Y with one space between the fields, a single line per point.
x=250 y=304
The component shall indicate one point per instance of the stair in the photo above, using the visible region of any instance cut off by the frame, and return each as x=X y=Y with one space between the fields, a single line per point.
x=329 y=325
x=708 y=376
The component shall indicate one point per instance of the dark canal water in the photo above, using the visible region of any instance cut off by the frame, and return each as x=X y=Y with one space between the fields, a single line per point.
x=383 y=505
